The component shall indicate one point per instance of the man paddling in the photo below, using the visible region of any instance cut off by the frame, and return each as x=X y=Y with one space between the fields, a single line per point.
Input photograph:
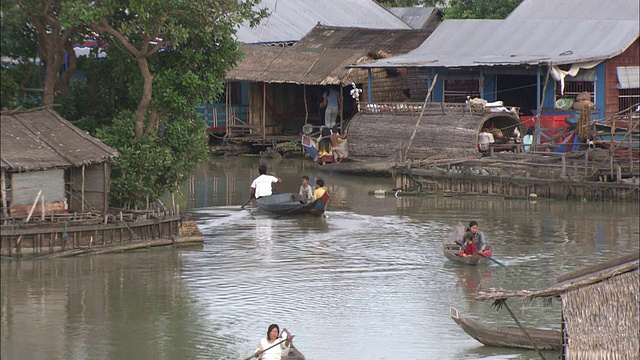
x=261 y=186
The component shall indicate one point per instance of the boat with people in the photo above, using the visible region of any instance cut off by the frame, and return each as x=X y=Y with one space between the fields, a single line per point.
x=289 y=204
x=348 y=165
x=452 y=250
x=513 y=337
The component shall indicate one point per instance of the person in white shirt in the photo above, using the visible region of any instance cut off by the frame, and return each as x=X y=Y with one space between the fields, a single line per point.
x=274 y=347
x=485 y=138
x=261 y=186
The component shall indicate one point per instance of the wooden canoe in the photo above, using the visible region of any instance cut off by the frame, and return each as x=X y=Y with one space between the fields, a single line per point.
x=451 y=250
x=289 y=204
x=293 y=354
x=508 y=336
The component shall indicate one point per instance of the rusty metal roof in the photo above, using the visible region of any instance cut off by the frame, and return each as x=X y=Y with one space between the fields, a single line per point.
x=290 y=20
x=42 y=139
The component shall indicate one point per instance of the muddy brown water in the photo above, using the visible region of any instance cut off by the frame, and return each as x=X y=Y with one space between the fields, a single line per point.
x=368 y=282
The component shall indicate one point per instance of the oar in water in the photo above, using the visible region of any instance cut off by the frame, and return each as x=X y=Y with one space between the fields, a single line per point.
x=272 y=346
x=490 y=258
x=248 y=201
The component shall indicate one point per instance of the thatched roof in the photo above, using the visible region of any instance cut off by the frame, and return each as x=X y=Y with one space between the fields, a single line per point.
x=41 y=139
x=395 y=41
x=280 y=65
x=583 y=277
x=322 y=56
x=440 y=132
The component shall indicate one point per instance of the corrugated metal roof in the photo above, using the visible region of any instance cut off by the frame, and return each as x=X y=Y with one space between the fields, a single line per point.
x=576 y=9
x=416 y=17
x=290 y=20
x=42 y=139
x=519 y=40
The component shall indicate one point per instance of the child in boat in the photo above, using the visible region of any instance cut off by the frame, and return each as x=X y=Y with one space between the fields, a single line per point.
x=471 y=247
x=306 y=193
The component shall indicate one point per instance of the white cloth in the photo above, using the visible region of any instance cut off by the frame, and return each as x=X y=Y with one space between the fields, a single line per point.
x=527 y=140
x=276 y=352
x=559 y=74
x=330 y=116
x=484 y=139
x=262 y=184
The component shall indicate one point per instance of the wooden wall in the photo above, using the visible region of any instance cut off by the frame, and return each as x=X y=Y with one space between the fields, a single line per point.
x=96 y=188
x=387 y=86
x=25 y=187
x=630 y=57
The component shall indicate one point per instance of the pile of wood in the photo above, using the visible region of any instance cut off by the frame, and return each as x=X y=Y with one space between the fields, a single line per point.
x=189 y=228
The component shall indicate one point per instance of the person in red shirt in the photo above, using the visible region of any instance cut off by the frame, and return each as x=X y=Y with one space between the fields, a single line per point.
x=471 y=247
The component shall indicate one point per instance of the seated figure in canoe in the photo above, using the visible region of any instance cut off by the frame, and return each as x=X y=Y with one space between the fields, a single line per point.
x=325 y=150
x=470 y=247
x=319 y=199
x=478 y=239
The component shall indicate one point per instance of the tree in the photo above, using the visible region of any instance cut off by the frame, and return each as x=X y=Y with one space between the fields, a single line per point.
x=42 y=17
x=182 y=50
x=480 y=9
x=145 y=27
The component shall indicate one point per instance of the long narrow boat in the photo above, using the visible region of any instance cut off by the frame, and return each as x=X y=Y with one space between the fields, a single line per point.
x=350 y=165
x=289 y=204
x=508 y=336
x=451 y=249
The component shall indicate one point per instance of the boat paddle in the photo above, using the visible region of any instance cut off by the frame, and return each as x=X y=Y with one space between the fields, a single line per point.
x=270 y=347
x=245 y=204
x=492 y=259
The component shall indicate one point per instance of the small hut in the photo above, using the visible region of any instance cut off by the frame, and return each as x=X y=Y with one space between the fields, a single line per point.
x=50 y=166
x=599 y=309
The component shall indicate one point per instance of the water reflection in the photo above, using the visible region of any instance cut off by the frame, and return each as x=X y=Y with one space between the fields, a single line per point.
x=368 y=282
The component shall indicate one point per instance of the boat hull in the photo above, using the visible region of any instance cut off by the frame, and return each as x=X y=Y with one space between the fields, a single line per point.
x=286 y=204
x=451 y=252
x=509 y=336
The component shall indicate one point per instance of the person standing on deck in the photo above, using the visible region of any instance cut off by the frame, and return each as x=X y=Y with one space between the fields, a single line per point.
x=261 y=186
x=332 y=101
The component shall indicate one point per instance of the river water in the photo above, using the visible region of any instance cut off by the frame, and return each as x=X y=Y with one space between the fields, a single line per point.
x=367 y=282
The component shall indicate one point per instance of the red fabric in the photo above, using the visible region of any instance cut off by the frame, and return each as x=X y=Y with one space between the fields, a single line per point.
x=470 y=249
x=487 y=252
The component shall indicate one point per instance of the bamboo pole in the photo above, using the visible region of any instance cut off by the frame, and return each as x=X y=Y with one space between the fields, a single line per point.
x=306 y=107
x=264 y=110
x=5 y=204
x=534 y=145
x=424 y=106
x=42 y=207
x=82 y=191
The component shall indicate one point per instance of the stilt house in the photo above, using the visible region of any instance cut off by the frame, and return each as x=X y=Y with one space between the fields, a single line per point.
x=50 y=166
x=537 y=60
x=287 y=83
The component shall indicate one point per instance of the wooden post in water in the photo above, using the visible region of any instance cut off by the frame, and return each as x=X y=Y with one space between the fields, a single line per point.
x=82 y=191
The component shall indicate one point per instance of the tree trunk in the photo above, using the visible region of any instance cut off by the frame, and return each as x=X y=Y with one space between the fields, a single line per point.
x=147 y=90
x=63 y=82
x=154 y=120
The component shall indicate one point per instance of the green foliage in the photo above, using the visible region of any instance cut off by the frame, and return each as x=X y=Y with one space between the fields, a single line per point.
x=152 y=165
x=8 y=91
x=480 y=9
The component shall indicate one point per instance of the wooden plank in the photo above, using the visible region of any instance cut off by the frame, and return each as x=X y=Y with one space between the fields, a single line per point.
x=7 y=230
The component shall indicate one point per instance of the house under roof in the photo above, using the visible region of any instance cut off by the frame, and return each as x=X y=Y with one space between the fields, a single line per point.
x=536 y=32
x=322 y=56
x=418 y=17
x=42 y=139
x=290 y=20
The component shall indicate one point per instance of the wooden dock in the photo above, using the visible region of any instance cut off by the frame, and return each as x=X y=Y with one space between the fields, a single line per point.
x=586 y=175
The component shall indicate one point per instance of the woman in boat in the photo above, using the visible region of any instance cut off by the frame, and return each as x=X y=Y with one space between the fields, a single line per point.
x=478 y=239
x=272 y=347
